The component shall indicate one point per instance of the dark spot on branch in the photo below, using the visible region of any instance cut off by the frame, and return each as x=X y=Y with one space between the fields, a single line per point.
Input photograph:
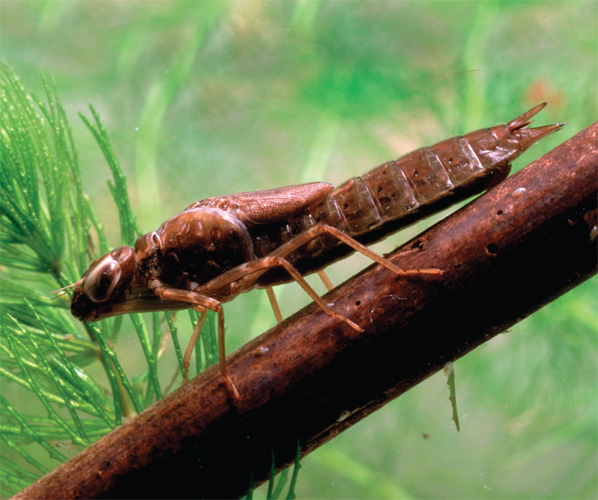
x=492 y=249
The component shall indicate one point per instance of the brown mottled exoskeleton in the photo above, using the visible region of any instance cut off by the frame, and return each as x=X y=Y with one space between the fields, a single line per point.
x=220 y=247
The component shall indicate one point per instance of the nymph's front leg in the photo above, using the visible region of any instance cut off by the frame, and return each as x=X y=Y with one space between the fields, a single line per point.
x=200 y=303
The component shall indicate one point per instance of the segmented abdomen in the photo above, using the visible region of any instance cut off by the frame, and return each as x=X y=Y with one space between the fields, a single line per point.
x=397 y=188
x=389 y=197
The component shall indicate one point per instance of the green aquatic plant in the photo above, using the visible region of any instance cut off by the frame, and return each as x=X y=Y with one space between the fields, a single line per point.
x=48 y=226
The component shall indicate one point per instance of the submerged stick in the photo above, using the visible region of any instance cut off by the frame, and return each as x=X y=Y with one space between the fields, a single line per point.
x=505 y=255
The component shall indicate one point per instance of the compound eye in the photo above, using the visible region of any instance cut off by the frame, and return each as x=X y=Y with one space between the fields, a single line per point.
x=102 y=279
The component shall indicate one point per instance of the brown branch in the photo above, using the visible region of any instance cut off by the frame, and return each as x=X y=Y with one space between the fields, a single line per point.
x=505 y=255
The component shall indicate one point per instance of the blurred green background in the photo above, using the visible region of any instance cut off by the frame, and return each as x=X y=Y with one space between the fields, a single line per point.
x=209 y=98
